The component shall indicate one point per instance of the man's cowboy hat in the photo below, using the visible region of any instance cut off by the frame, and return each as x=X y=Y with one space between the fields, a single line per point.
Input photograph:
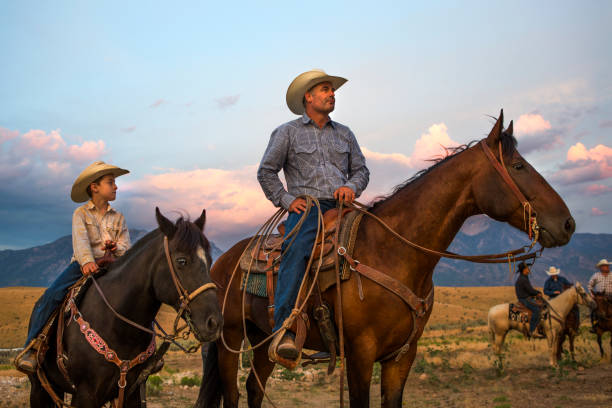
x=305 y=81
x=553 y=271
x=93 y=172
x=602 y=263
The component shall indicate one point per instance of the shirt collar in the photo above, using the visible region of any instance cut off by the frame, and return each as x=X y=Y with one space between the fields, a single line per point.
x=306 y=120
x=91 y=206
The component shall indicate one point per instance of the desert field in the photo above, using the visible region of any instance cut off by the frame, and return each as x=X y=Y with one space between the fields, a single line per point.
x=454 y=366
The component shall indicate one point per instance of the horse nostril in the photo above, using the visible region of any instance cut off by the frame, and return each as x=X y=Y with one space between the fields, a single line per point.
x=570 y=225
x=212 y=324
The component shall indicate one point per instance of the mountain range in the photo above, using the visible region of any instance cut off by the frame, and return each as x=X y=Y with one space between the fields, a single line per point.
x=38 y=266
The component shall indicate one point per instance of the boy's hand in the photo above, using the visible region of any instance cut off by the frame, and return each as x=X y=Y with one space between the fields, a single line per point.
x=90 y=268
x=110 y=245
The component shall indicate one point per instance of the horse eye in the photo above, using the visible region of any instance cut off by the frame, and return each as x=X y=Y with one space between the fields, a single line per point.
x=518 y=166
x=181 y=261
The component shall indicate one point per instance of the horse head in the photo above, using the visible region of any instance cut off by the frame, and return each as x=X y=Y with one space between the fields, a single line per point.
x=584 y=298
x=495 y=196
x=183 y=281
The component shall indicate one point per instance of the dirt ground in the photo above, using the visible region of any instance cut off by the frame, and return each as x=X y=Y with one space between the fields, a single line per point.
x=453 y=368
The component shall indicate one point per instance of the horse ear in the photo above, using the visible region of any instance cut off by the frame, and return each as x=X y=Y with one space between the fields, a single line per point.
x=510 y=130
x=496 y=132
x=165 y=225
x=200 y=222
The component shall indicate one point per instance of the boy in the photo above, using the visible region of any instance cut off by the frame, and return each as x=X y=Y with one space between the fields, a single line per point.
x=99 y=234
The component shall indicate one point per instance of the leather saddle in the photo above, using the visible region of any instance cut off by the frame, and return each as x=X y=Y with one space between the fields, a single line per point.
x=518 y=312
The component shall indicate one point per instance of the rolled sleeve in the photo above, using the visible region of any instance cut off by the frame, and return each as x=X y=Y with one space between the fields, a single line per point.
x=123 y=241
x=81 y=246
x=359 y=175
x=272 y=162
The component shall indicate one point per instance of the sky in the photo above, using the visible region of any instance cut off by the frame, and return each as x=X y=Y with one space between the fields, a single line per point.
x=185 y=96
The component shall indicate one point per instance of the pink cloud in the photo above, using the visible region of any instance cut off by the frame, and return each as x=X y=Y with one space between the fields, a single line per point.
x=596 y=212
x=530 y=123
x=597 y=189
x=158 y=103
x=233 y=199
x=6 y=134
x=585 y=164
x=42 y=141
x=88 y=151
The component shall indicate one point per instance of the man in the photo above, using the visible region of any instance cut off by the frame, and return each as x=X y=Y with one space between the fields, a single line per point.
x=319 y=157
x=526 y=294
x=600 y=284
x=555 y=284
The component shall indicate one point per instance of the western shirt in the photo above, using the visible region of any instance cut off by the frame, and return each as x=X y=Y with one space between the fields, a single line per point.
x=600 y=283
x=315 y=161
x=90 y=230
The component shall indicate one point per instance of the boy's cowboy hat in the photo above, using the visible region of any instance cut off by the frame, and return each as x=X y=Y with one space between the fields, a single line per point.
x=93 y=172
x=602 y=263
x=305 y=81
x=553 y=271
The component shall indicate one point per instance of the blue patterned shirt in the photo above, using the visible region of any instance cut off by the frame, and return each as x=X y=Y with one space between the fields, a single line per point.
x=314 y=161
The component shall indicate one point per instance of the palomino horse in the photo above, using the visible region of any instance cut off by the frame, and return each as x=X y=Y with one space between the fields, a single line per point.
x=603 y=313
x=558 y=309
x=135 y=285
x=428 y=209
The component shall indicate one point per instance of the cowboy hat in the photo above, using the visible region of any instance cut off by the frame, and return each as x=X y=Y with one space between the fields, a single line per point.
x=304 y=82
x=91 y=173
x=602 y=263
x=553 y=271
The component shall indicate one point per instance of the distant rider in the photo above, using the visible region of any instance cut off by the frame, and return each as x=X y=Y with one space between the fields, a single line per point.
x=526 y=294
x=600 y=284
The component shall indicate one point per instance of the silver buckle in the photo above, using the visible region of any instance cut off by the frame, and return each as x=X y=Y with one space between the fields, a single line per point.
x=341 y=251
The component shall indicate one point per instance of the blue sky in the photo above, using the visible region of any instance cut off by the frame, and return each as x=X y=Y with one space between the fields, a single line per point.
x=186 y=98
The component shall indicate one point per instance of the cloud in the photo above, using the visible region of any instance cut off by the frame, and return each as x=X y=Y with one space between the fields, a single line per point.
x=597 y=189
x=6 y=134
x=585 y=165
x=227 y=101
x=233 y=199
x=128 y=129
x=530 y=123
x=606 y=124
x=39 y=140
x=596 y=212
x=88 y=151
x=158 y=103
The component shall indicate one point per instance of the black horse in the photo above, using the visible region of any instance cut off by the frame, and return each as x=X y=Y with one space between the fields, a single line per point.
x=135 y=285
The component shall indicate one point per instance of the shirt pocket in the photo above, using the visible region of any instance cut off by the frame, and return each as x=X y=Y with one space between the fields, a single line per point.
x=305 y=152
x=339 y=154
x=93 y=232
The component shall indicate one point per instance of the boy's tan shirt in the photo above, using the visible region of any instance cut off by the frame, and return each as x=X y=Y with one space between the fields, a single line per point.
x=89 y=231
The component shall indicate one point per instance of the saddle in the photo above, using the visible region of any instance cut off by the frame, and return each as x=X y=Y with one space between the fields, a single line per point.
x=517 y=312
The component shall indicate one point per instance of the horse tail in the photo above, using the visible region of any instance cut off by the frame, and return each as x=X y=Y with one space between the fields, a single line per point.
x=211 y=389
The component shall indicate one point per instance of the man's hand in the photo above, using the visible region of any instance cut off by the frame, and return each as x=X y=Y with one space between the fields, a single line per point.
x=110 y=245
x=90 y=268
x=345 y=194
x=297 y=206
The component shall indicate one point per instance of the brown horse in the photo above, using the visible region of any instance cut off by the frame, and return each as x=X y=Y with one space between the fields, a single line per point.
x=428 y=209
x=603 y=313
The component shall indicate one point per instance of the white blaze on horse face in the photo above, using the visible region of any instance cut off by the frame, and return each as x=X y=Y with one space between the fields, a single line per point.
x=202 y=256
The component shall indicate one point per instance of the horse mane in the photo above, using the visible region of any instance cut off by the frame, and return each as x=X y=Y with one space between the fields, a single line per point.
x=508 y=143
x=188 y=238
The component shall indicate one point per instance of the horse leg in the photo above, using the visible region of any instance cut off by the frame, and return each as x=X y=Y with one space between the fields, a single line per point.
x=601 y=351
x=359 y=375
x=499 y=342
x=560 y=342
x=39 y=398
x=228 y=366
x=261 y=365
x=84 y=397
x=393 y=378
x=554 y=347
x=572 y=336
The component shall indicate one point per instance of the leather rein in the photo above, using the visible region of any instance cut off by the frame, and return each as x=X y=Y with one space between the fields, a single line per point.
x=100 y=346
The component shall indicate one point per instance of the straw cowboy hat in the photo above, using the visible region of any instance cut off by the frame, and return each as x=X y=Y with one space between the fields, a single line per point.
x=602 y=263
x=93 y=172
x=553 y=271
x=305 y=81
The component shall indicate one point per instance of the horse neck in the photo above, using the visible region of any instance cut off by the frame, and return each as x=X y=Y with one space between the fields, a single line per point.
x=565 y=301
x=128 y=288
x=430 y=211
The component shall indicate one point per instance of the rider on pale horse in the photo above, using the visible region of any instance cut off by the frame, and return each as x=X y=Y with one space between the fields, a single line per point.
x=527 y=295
x=320 y=158
x=600 y=284
x=99 y=234
x=555 y=284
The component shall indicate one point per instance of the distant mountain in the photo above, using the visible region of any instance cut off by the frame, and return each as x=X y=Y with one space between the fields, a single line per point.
x=39 y=266
x=482 y=235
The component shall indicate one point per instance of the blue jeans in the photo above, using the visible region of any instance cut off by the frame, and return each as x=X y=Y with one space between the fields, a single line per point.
x=535 y=316
x=293 y=263
x=52 y=299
